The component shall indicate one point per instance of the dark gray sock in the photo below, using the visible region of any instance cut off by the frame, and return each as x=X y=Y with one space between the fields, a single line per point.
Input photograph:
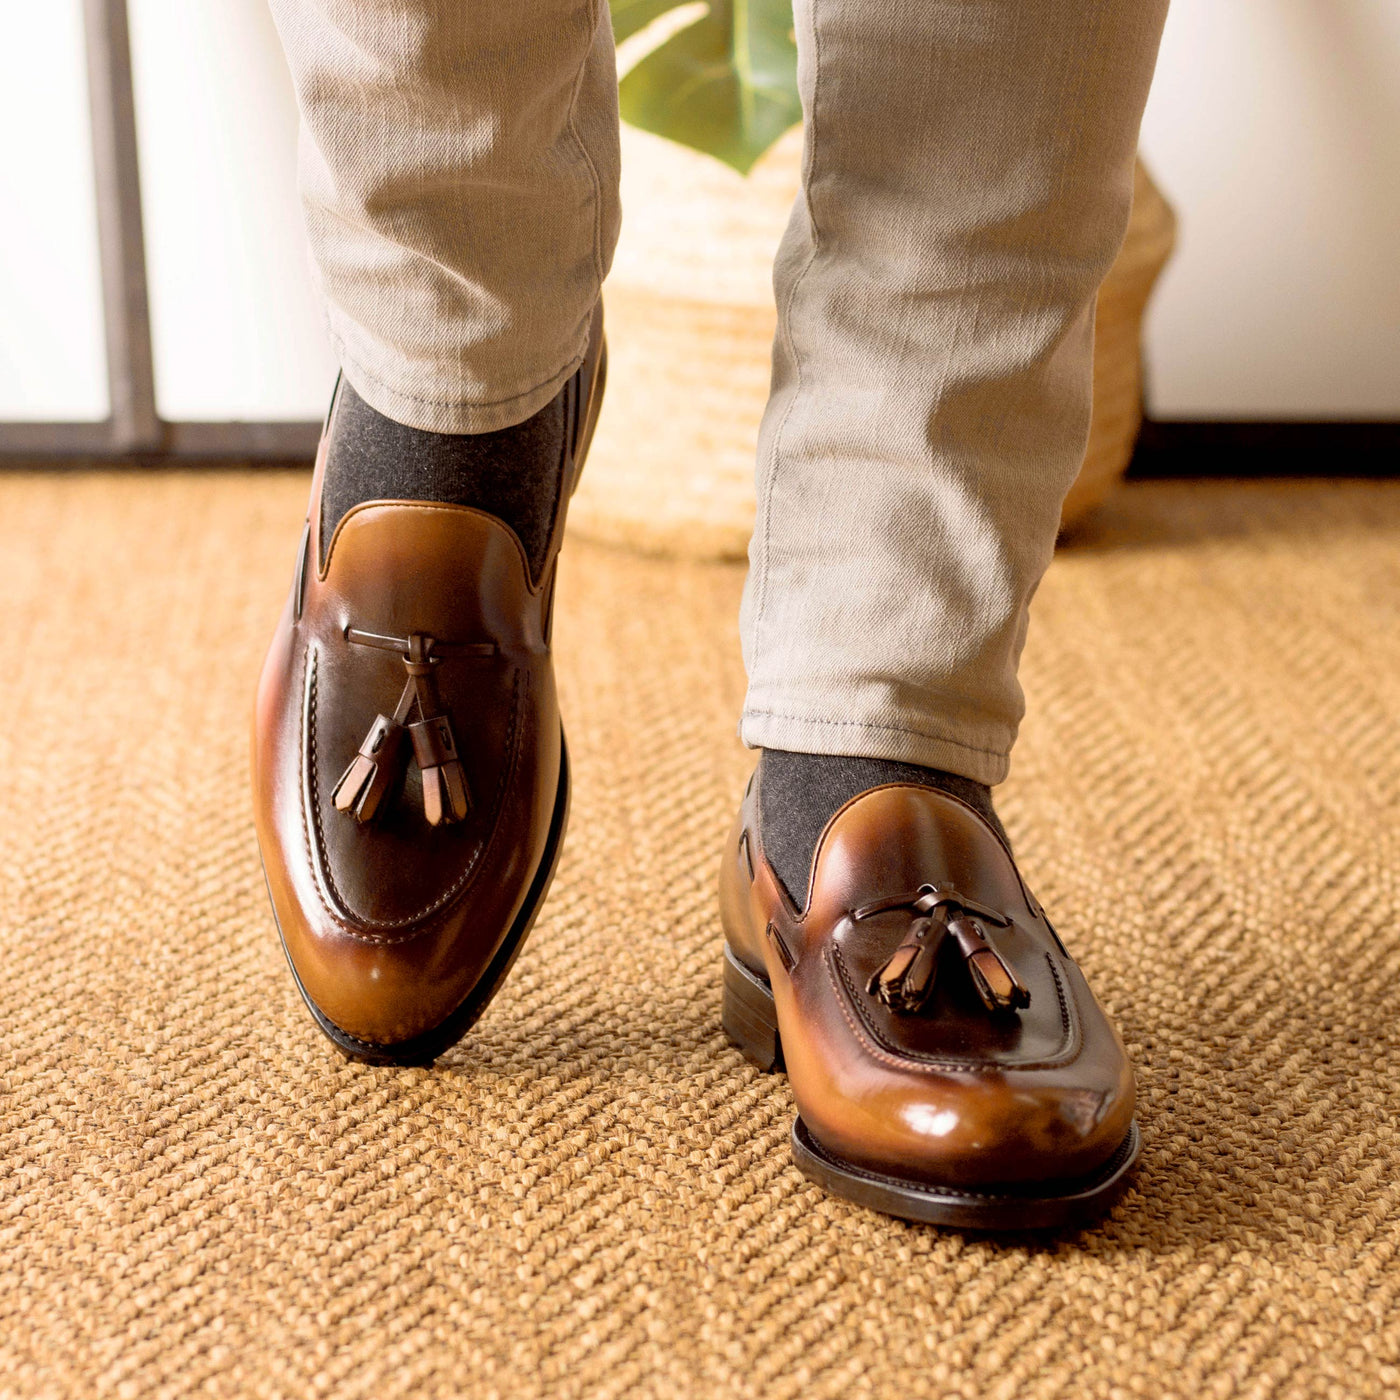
x=800 y=792
x=513 y=474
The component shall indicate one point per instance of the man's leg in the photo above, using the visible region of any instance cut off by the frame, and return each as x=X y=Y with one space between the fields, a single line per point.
x=967 y=180
x=459 y=170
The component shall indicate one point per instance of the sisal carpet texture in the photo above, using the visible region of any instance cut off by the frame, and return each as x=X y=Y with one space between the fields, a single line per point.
x=592 y=1196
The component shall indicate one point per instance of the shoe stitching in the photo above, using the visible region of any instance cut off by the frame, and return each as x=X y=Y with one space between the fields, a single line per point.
x=872 y=1040
x=354 y=924
x=423 y=921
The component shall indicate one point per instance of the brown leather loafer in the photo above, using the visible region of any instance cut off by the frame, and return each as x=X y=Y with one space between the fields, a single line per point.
x=410 y=777
x=949 y=1062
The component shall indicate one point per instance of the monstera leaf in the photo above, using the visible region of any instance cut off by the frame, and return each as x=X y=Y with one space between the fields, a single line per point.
x=725 y=84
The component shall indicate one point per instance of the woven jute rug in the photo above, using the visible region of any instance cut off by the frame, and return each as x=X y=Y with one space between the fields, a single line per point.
x=592 y=1195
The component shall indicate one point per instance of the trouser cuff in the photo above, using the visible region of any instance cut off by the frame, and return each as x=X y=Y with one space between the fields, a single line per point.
x=448 y=411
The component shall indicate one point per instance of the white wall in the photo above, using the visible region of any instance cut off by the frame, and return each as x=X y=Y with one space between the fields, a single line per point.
x=52 y=364
x=235 y=328
x=1274 y=127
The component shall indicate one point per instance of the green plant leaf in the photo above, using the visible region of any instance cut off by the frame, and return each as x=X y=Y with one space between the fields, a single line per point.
x=629 y=17
x=725 y=85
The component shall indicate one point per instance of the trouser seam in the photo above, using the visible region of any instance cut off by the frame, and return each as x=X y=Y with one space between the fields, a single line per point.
x=770 y=480
x=594 y=178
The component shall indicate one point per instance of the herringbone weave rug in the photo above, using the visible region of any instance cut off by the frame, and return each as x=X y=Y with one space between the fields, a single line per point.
x=592 y=1195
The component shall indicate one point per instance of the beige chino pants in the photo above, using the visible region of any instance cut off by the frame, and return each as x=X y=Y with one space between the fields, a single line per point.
x=966 y=185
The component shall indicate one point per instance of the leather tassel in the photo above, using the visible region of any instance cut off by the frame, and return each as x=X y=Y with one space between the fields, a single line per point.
x=372 y=772
x=906 y=981
x=445 y=794
x=993 y=977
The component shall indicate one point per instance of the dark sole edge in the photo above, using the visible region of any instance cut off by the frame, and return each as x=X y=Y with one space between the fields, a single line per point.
x=1066 y=1205
x=423 y=1049
x=751 y=1023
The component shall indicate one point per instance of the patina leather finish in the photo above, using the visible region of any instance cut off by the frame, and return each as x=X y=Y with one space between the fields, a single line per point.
x=950 y=1093
x=392 y=924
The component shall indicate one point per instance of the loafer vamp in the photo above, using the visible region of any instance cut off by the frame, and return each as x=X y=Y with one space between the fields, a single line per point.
x=395 y=872
x=400 y=869
x=953 y=1027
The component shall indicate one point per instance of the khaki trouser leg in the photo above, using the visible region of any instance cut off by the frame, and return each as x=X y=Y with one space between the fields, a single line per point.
x=459 y=169
x=968 y=173
x=967 y=179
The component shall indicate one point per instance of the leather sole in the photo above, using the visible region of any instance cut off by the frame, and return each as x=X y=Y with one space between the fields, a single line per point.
x=751 y=1023
x=424 y=1048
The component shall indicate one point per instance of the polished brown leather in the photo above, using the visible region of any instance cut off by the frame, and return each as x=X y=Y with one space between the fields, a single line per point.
x=391 y=923
x=953 y=1093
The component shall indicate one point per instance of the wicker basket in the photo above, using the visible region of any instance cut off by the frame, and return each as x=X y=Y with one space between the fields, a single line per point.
x=1117 y=416
x=691 y=321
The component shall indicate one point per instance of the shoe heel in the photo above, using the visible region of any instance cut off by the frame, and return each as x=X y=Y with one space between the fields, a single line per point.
x=749 y=1016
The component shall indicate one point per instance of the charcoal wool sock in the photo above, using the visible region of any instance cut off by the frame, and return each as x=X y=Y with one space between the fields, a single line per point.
x=800 y=792
x=513 y=474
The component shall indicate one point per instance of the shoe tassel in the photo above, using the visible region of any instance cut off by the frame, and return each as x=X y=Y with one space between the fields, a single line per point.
x=993 y=977
x=445 y=796
x=373 y=771
x=906 y=981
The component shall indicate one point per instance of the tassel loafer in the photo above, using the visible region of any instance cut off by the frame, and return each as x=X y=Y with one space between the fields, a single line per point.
x=948 y=1061
x=410 y=776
